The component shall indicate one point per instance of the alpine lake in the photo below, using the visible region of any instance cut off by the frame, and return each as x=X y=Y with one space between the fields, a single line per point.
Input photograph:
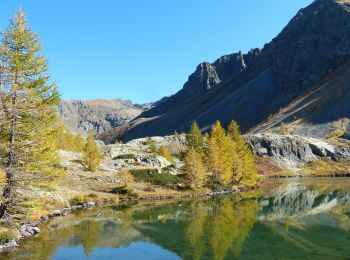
x=296 y=219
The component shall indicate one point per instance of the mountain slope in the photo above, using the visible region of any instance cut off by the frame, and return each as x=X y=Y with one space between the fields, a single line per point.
x=96 y=116
x=314 y=44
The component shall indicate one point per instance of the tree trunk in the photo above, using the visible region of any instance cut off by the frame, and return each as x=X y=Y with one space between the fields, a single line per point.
x=9 y=169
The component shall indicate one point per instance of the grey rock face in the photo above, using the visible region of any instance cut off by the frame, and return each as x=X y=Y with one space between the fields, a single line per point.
x=96 y=116
x=342 y=153
x=291 y=151
x=206 y=77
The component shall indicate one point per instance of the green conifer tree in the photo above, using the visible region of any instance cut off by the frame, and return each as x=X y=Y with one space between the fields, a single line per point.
x=28 y=119
x=92 y=157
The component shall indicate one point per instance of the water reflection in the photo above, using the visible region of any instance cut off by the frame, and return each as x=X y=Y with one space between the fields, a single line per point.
x=301 y=218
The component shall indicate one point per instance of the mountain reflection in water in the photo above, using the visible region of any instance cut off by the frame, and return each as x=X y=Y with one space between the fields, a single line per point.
x=307 y=218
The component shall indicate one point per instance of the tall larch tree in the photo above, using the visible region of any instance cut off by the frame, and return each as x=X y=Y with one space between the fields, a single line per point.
x=220 y=155
x=196 y=172
x=28 y=119
x=195 y=139
x=92 y=157
x=244 y=167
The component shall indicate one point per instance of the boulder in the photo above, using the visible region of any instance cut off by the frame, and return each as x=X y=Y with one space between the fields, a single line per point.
x=29 y=230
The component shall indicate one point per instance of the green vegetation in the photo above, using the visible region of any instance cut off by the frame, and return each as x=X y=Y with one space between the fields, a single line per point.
x=92 y=155
x=127 y=190
x=125 y=156
x=195 y=139
x=29 y=125
x=152 y=146
x=152 y=176
x=6 y=235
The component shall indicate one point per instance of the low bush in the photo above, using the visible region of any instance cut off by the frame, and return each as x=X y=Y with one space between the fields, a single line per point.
x=92 y=196
x=127 y=190
x=7 y=235
x=77 y=200
x=125 y=156
x=152 y=176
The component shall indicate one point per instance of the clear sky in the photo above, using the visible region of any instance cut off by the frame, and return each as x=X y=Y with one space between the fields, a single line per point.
x=143 y=50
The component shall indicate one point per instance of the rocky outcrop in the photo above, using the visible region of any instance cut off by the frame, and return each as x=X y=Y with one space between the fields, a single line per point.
x=140 y=160
x=207 y=76
x=96 y=116
x=249 y=88
x=293 y=151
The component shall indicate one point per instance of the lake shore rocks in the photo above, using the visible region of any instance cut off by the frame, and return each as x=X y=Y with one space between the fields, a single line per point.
x=292 y=151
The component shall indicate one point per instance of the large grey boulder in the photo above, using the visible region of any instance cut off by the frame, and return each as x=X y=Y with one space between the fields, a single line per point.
x=28 y=230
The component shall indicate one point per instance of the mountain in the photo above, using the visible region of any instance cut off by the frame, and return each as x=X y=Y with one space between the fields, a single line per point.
x=96 y=116
x=309 y=54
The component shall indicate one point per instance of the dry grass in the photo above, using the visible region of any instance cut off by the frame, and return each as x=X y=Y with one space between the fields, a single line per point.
x=267 y=168
x=325 y=167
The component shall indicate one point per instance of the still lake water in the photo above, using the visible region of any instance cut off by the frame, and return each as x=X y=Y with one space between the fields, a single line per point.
x=301 y=219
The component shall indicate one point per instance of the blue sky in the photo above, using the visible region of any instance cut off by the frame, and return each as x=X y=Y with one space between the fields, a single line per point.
x=143 y=50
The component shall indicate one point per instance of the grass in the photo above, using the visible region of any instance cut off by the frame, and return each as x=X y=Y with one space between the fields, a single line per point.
x=325 y=167
x=8 y=232
x=152 y=176
x=6 y=235
x=34 y=208
x=81 y=198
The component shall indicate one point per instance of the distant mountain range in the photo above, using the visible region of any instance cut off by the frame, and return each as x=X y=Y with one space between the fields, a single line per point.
x=302 y=77
x=96 y=116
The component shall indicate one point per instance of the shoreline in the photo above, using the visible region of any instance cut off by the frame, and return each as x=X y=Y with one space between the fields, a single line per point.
x=337 y=175
x=30 y=228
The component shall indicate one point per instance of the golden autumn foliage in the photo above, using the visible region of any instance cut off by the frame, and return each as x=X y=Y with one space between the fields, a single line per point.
x=29 y=124
x=283 y=129
x=92 y=157
x=228 y=159
x=195 y=168
x=163 y=151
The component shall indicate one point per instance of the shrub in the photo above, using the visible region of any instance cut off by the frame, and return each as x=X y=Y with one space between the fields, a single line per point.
x=152 y=176
x=92 y=196
x=77 y=200
x=125 y=156
x=163 y=151
x=7 y=235
x=125 y=190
